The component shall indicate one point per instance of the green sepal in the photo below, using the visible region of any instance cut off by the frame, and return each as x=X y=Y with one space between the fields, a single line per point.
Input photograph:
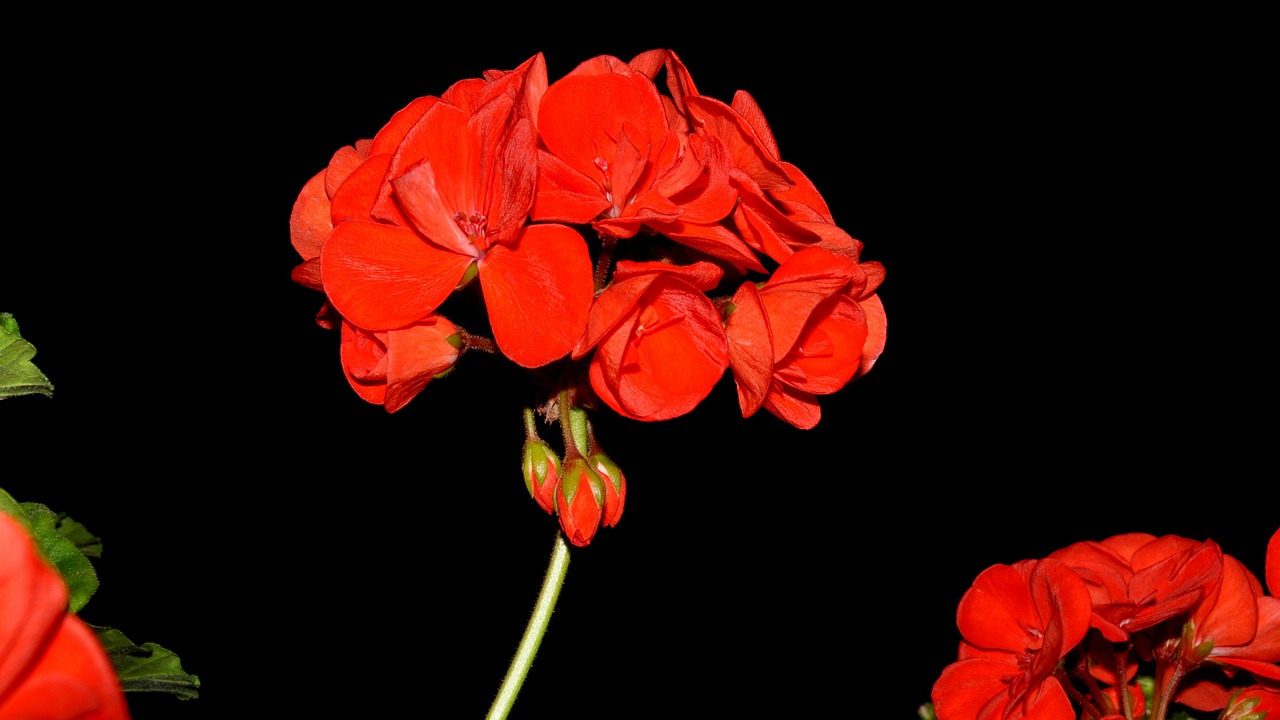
x=60 y=539
x=18 y=375
x=147 y=668
x=926 y=712
x=13 y=509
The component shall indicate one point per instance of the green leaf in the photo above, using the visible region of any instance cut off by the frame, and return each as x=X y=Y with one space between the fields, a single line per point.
x=77 y=571
x=79 y=535
x=147 y=668
x=18 y=376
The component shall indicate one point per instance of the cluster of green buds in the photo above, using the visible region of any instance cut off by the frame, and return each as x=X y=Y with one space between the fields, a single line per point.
x=586 y=490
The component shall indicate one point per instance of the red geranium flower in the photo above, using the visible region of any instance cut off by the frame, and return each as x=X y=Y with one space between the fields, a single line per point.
x=1018 y=621
x=659 y=345
x=51 y=663
x=1138 y=580
x=800 y=335
x=390 y=368
x=463 y=178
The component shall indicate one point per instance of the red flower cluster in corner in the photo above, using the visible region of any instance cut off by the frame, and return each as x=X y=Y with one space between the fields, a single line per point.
x=645 y=237
x=51 y=663
x=1065 y=636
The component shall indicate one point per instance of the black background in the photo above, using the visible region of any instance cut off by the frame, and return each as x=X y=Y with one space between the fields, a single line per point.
x=1070 y=344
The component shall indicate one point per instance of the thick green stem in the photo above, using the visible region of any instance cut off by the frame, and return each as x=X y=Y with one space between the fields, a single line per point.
x=533 y=633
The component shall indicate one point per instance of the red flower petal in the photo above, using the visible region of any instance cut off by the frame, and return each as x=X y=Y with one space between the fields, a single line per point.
x=665 y=357
x=51 y=663
x=829 y=348
x=750 y=348
x=309 y=221
x=538 y=293
x=415 y=355
x=73 y=679
x=382 y=277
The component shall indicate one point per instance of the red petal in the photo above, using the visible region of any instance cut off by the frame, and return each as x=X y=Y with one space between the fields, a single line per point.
x=877 y=325
x=749 y=152
x=714 y=240
x=416 y=354
x=997 y=610
x=392 y=134
x=309 y=223
x=73 y=679
x=564 y=194
x=382 y=277
x=750 y=348
x=538 y=293
x=664 y=370
x=32 y=605
x=967 y=688
x=364 y=362
x=829 y=349
x=355 y=197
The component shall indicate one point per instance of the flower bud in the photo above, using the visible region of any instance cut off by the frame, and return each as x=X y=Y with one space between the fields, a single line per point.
x=615 y=488
x=580 y=501
x=541 y=473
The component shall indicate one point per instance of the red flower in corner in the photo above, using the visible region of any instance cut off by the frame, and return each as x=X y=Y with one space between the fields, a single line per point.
x=1018 y=621
x=661 y=347
x=51 y=663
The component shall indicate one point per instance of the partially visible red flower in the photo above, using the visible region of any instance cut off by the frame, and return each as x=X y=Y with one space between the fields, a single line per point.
x=799 y=335
x=1236 y=627
x=52 y=666
x=659 y=344
x=1138 y=580
x=390 y=368
x=1018 y=621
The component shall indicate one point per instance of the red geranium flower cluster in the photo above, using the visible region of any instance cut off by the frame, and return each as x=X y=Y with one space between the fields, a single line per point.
x=617 y=221
x=1066 y=636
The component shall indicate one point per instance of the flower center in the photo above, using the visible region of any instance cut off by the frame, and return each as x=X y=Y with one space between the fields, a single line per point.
x=607 y=184
x=474 y=225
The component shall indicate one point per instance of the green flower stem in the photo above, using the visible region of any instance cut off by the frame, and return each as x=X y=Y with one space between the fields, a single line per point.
x=533 y=633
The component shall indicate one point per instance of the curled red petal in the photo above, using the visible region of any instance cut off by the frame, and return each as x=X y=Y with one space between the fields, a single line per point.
x=309 y=223
x=750 y=348
x=829 y=349
x=795 y=406
x=416 y=354
x=877 y=328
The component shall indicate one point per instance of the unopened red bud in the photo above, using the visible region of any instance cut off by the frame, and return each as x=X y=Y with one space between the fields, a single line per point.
x=541 y=473
x=580 y=502
x=615 y=488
